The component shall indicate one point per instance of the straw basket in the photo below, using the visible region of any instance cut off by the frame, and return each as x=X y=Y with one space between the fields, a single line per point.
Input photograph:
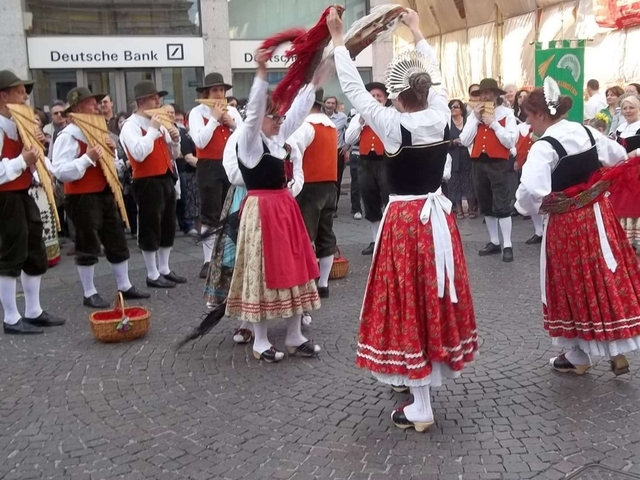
x=340 y=267
x=120 y=324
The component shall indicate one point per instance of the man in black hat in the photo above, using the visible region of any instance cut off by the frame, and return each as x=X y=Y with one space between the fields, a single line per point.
x=92 y=206
x=22 y=249
x=210 y=128
x=151 y=150
x=372 y=176
x=317 y=140
x=492 y=131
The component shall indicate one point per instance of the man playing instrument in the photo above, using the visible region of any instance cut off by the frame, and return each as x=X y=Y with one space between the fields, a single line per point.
x=92 y=204
x=22 y=249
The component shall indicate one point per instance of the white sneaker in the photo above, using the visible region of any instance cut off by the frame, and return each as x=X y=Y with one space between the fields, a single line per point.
x=357 y=216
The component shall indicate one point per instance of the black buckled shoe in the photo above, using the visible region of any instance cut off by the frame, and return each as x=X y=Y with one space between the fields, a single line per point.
x=369 y=250
x=400 y=420
x=507 y=255
x=174 y=277
x=307 y=349
x=21 y=328
x=204 y=271
x=95 y=301
x=45 y=320
x=323 y=292
x=160 y=282
x=273 y=355
x=242 y=336
x=134 y=294
x=562 y=365
x=534 y=240
x=490 y=249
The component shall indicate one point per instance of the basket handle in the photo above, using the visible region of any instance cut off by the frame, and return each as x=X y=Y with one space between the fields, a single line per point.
x=337 y=251
x=120 y=306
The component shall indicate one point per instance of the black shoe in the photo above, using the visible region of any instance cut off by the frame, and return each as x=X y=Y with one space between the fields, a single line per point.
x=134 y=294
x=507 y=255
x=323 y=292
x=534 y=240
x=335 y=215
x=399 y=388
x=160 y=282
x=45 y=320
x=273 y=355
x=400 y=420
x=174 y=277
x=526 y=217
x=21 y=328
x=204 y=271
x=307 y=349
x=490 y=249
x=369 y=249
x=562 y=365
x=95 y=301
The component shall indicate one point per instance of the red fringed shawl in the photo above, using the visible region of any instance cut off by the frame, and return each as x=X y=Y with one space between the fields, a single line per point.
x=307 y=48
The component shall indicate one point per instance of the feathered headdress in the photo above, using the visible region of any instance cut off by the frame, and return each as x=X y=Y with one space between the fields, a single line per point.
x=551 y=94
x=308 y=48
x=404 y=66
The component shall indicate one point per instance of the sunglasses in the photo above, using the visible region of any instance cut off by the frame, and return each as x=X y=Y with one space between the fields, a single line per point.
x=277 y=118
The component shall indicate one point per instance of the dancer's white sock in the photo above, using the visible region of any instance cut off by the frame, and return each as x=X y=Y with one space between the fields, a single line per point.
x=31 y=288
x=325 y=270
x=163 y=260
x=505 y=227
x=86 y=278
x=121 y=274
x=578 y=357
x=375 y=226
x=261 y=340
x=294 y=332
x=151 y=264
x=8 y=287
x=537 y=220
x=492 y=226
x=207 y=245
x=420 y=410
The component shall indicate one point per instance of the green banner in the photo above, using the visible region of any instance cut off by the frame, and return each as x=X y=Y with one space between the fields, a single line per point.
x=565 y=64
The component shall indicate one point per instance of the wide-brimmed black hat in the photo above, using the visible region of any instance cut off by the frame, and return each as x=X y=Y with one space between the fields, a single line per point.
x=146 y=88
x=213 y=79
x=377 y=85
x=8 y=79
x=319 y=97
x=80 y=94
x=491 y=85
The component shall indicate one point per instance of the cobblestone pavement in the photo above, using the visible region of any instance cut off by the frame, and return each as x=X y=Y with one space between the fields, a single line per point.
x=74 y=409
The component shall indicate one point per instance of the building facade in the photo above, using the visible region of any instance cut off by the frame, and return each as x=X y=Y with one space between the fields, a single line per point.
x=110 y=45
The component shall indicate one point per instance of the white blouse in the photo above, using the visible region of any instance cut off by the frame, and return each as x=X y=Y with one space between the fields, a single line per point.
x=626 y=130
x=140 y=146
x=10 y=168
x=535 y=183
x=201 y=134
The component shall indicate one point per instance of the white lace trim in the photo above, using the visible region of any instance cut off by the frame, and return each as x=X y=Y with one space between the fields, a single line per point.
x=439 y=372
x=590 y=327
x=599 y=349
x=394 y=362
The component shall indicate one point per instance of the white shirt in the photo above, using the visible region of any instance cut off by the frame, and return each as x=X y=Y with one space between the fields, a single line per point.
x=67 y=166
x=426 y=126
x=626 y=130
x=10 y=168
x=304 y=135
x=535 y=183
x=507 y=135
x=140 y=146
x=354 y=130
x=202 y=134
x=592 y=106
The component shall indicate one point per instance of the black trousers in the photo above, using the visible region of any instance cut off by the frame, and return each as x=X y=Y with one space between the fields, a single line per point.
x=356 y=206
x=21 y=242
x=317 y=202
x=374 y=188
x=491 y=180
x=132 y=212
x=213 y=186
x=97 y=222
x=340 y=175
x=156 y=198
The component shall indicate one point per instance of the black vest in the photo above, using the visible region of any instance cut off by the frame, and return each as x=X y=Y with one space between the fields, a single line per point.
x=268 y=174
x=416 y=169
x=573 y=169
x=630 y=143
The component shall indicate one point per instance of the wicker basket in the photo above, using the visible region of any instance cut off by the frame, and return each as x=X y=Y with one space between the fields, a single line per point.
x=120 y=324
x=340 y=267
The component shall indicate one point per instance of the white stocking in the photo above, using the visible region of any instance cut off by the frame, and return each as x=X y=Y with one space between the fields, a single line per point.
x=151 y=264
x=505 y=227
x=207 y=245
x=420 y=410
x=537 y=223
x=86 y=278
x=375 y=226
x=8 y=299
x=261 y=342
x=577 y=357
x=294 y=332
x=163 y=260
x=492 y=226
x=31 y=287
x=121 y=274
x=325 y=270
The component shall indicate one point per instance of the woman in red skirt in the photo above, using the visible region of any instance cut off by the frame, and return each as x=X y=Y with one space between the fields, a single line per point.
x=417 y=321
x=590 y=275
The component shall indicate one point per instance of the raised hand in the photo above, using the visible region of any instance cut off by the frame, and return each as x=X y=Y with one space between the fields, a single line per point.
x=155 y=122
x=336 y=27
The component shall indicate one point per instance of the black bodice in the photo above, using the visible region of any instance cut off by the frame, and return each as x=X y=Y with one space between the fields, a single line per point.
x=573 y=169
x=630 y=143
x=268 y=174
x=416 y=169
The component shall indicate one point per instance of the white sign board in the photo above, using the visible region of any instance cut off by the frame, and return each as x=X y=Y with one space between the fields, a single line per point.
x=114 y=52
x=243 y=51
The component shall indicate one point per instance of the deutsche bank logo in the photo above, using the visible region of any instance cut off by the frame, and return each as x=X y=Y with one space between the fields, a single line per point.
x=175 y=51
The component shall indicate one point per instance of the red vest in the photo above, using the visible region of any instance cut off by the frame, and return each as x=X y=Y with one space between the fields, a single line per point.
x=487 y=142
x=93 y=180
x=522 y=148
x=320 y=163
x=157 y=163
x=215 y=147
x=12 y=149
x=369 y=141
